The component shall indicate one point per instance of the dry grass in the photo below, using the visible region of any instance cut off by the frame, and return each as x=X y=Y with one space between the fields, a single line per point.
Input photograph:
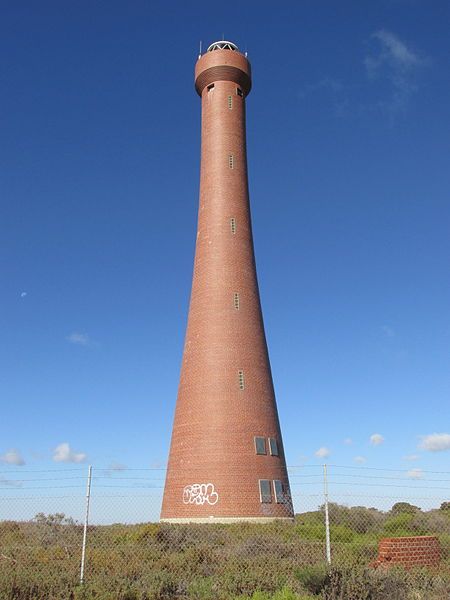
x=279 y=561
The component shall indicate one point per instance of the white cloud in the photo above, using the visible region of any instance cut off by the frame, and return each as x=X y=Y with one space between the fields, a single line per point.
x=12 y=457
x=348 y=441
x=411 y=457
x=436 y=442
x=395 y=62
x=396 y=51
x=376 y=439
x=415 y=474
x=360 y=460
x=63 y=453
x=322 y=452
x=81 y=339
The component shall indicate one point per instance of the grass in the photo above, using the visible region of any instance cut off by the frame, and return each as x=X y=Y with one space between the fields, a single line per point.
x=40 y=560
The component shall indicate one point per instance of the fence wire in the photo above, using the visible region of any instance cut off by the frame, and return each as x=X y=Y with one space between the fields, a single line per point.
x=42 y=524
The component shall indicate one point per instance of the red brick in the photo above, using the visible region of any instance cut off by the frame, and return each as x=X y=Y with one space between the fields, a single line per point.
x=410 y=551
x=215 y=421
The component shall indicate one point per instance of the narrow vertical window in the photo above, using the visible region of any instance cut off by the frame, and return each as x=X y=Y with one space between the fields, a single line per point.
x=231 y=161
x=241 y=379
x=260 y=445
x=265 y=492
x=278 y=491
x=236 y=301
x=273 y=447
x=210 y=87
x=230 y=102
x=239 y=92
x=233 y=225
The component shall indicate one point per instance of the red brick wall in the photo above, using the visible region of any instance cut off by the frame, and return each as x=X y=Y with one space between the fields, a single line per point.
x=213 y=470
x=416 y=551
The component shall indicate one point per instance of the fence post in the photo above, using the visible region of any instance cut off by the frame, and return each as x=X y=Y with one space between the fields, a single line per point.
x=327 y=518
x=86 y=522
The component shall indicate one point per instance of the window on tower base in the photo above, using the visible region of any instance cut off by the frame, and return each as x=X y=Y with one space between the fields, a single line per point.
x=265 y=493
x=278 y=490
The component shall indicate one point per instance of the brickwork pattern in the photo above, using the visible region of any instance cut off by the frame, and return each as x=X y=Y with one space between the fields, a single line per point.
x=415 y=551
x=226 y=395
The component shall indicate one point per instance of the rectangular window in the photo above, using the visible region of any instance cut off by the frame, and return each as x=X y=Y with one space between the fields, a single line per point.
x=231 y=161
x=273 y=447
x=278 y=491
x=233 y=225
x=239 y=92
x=241 y=379
x=260 y=445
x=210 y=87
x=265 y=493
x=236 y=301
x=230 y=102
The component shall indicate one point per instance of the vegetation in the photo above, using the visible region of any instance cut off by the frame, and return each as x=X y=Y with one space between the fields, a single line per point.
x=278 y=561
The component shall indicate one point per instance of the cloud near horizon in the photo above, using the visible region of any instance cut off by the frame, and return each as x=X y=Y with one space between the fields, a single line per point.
x=322 y=452
x=12 y=457
x=415 y=474
x=376 y=439
x=64 y=453
x=435 y=442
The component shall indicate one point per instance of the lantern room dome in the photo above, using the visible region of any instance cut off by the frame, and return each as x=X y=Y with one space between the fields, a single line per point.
x=222 y=45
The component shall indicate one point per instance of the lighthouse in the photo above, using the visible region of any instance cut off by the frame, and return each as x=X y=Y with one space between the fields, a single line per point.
x=226 y=460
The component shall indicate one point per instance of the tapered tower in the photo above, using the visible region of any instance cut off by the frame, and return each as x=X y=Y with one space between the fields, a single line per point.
x=226 y=458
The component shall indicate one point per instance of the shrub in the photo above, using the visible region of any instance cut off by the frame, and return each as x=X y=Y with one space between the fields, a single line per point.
x=313 y=579
x=400 y=525
x=404 y=507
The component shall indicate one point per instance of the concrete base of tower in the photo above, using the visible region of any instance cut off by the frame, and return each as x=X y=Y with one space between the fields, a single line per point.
x=227 y=520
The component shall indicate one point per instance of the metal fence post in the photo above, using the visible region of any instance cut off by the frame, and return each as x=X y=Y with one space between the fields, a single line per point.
x=86 y=522
x=327 y=518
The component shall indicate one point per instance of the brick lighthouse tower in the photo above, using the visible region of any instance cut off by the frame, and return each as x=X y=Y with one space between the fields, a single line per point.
x=226 y=458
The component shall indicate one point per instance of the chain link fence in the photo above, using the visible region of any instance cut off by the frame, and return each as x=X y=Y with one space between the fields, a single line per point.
x=127 y=551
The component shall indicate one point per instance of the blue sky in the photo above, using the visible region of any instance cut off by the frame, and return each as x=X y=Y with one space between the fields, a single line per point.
x=349 y=151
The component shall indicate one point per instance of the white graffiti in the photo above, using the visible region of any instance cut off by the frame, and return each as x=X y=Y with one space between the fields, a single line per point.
x=200 y=493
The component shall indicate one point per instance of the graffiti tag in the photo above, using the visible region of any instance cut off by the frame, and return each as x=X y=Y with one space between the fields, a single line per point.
x=200 y=493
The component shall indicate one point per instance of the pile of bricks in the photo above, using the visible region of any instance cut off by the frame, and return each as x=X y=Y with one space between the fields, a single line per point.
x=417 y=551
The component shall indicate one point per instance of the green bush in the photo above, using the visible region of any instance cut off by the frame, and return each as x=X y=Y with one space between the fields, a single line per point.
x=246 y=561
x=314 y=578
x=399 y=525
x=358 y=582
